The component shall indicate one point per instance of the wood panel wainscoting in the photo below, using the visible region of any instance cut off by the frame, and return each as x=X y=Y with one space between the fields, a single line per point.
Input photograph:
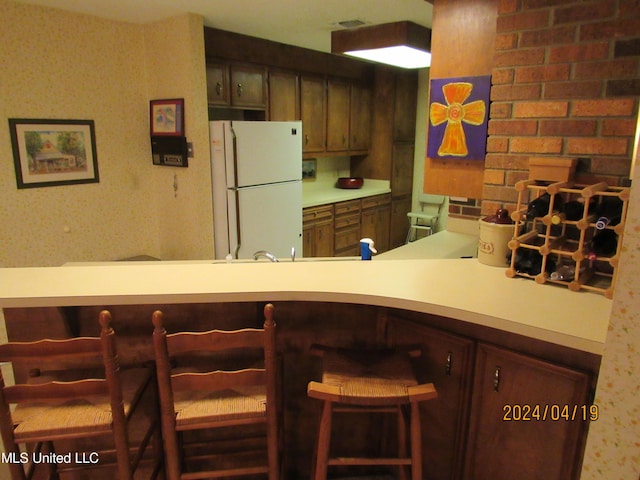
x=478 y=372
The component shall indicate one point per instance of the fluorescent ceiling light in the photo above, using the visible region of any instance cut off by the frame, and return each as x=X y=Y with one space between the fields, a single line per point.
x=389 y=43
x=399 y=56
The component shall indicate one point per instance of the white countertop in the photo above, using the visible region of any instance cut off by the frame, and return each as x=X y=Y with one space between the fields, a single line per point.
x=462 y=289
x=442 y=244
x=316 y=193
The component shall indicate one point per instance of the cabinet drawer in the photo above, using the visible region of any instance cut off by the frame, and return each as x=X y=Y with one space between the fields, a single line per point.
x=375 y=201
x=350 y=206
x=347 y=238
x=344 y=221
x=314 y=214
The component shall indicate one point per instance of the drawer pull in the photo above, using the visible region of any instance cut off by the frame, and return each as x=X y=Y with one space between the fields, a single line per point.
x=447 y=368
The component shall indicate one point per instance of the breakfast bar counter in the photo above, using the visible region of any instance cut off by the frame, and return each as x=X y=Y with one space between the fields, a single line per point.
x=487 y=341
x=460 y=289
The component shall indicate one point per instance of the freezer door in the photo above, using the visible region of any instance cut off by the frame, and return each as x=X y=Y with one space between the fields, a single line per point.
x=265 y=152
x=266 y=218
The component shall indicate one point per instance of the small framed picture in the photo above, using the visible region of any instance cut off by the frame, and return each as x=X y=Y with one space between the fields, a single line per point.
x=308 y=169
x=167 y=117
x=53 y=152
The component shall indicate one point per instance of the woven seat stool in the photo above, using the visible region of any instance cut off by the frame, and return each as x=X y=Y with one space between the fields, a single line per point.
x=370 y=381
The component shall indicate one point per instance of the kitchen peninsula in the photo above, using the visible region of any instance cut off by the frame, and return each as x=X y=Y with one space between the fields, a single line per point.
x=477 y=327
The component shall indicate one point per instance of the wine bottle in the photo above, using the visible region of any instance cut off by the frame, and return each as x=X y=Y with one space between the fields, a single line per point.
x=539 y=207
x=609 y=212
x=604 y=243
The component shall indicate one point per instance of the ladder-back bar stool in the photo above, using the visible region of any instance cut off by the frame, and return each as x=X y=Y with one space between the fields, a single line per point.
x=380 y=381
x=78 y=393
x=213 y=394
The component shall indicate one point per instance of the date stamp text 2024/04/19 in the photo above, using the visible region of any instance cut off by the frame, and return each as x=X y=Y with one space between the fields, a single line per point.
x=549 y=412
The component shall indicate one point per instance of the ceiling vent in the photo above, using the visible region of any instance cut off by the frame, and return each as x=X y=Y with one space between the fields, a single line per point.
x=351 y=23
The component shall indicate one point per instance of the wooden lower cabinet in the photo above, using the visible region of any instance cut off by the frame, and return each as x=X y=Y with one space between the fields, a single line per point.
x=447 y=361
x=465 y=435
x=317 y=231
x=487 y=422
x=376 y=220
x=400 y=206
x=522 y=422
x=347 y=228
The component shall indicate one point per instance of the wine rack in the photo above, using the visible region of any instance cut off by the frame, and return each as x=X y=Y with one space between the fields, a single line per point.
x=581 y=250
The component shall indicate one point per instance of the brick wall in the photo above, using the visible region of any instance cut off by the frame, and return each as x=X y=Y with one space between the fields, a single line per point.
x=566 y=82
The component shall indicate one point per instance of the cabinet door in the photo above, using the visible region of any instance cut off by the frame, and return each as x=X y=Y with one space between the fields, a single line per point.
x=313 y=113
x=248 y=86
x=324 y=238
x=404 y=119
x=521 y=418
x=402 y=169
x=284 y=96
x=317 y=228
x=399 y=222
x=383 y=226
x=218 y=84
x=376 y=218
x=447 y=362
x=337 y=116
x=360 y=118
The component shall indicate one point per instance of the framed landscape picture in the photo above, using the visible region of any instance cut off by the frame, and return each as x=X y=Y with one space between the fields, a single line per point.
x=53 y=152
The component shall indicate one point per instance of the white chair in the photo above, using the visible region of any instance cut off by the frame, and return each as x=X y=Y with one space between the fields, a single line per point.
x=428 y=216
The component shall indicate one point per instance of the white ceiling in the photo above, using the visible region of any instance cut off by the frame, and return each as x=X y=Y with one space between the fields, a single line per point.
x=305 y=23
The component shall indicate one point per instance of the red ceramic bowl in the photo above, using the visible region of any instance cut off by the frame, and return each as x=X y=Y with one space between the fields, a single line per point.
x=350 y=182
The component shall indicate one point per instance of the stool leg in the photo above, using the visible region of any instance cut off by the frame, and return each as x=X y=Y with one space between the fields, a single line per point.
x=416 y=443
x=402 y=441
x=324 y=437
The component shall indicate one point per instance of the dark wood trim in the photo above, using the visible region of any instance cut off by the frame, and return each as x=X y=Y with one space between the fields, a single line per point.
x=221 y=44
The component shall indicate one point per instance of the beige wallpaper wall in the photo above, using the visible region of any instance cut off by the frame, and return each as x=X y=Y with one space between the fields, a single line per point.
x=175 y=66
x=61 y=65
x=613 y=446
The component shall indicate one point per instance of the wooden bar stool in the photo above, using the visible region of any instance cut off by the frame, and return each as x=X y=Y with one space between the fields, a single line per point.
x=212 y=393
x=66 y=400
x=371 y=381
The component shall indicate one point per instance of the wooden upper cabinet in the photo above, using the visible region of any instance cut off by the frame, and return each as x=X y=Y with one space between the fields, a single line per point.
x=284 y=96
x=360 y=118
x=313 y=113
x=337 y=116
x=248 y=86
x=236 y=86
x=218 y=84
x=404 y=119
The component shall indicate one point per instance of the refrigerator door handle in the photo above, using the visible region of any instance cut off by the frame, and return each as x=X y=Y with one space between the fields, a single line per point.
x=237 y=215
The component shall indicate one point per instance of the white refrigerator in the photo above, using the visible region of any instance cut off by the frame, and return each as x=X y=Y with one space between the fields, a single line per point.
x=257 y=187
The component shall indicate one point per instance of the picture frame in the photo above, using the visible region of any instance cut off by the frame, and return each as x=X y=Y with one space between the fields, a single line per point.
x=167 y=117
x=51 y=152
x=309 y=169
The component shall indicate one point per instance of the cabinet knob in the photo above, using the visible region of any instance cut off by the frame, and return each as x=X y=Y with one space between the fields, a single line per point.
x=496 y=379
x=218 y=88
x=306 y=139
x=449 y=364
x=239 y=89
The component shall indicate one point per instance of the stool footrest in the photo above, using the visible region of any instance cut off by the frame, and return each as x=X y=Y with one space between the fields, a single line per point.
x=368 y=461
